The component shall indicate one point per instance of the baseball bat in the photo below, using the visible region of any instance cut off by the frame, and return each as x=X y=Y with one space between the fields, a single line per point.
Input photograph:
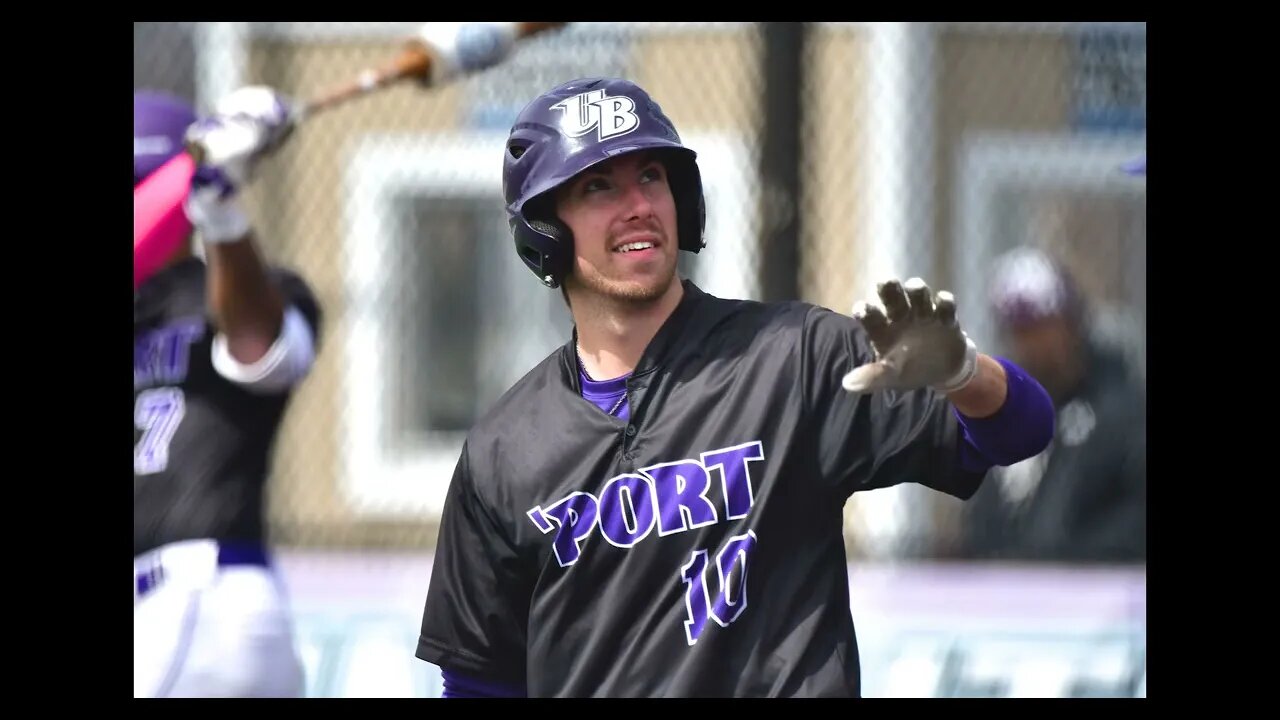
x=434 y=56
x=416 y=62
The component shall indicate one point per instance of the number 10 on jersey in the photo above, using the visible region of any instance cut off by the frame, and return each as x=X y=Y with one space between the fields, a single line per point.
x=730 y=574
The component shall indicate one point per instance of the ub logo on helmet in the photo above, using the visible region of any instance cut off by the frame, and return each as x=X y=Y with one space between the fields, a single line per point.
x=609 y=115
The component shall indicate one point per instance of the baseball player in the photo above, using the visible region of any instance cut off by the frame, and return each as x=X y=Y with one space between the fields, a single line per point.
x=656 y=508
x=1084 y=499
x=220 y=343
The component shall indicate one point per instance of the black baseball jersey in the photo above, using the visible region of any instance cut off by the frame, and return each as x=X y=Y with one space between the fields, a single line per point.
x=697 y=549
x=201 y=442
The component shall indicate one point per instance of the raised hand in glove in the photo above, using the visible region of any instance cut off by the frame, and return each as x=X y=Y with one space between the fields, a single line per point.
x=917 y=341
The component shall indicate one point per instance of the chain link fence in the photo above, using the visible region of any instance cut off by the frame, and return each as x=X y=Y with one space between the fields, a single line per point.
x=923 y=150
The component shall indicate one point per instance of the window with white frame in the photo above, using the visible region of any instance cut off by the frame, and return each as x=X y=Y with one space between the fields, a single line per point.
x=1067 y=195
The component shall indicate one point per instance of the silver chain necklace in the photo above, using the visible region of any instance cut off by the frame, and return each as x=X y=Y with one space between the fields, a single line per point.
x=578 y=354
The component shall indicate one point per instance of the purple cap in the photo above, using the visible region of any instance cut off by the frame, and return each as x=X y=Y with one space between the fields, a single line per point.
x=1028 y=285
x=160 y=121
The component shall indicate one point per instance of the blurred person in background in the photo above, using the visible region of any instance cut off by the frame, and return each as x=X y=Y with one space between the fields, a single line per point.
x=1082 y=500
x=221 y=342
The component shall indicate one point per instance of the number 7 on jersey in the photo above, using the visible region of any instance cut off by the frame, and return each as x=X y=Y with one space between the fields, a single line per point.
x=157 y=412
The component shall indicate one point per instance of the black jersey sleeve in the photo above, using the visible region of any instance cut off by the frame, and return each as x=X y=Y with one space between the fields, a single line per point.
x=875 y=440
x=476 y=613
x=299 y=294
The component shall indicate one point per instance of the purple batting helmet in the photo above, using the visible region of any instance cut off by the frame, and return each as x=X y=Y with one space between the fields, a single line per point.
x=571 y=128
x=1029 y=285
x=160 y=121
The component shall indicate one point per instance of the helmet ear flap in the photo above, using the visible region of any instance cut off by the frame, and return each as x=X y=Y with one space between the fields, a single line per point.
x=544 y=243
x=691 y=209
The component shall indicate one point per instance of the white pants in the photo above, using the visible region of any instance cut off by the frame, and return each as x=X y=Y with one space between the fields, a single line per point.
x=210 y=631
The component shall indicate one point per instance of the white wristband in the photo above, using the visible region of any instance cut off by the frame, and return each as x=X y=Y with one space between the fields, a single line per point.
x=217 y=220
x=459 y=48
x=968 y=370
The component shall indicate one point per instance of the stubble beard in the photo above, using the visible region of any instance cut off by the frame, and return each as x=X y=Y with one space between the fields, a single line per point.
x=623 y=292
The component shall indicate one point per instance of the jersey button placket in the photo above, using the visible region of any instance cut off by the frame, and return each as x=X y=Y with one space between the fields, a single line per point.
x=628 y=452
x=635 y=392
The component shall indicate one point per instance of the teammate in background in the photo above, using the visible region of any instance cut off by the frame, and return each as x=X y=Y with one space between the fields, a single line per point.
x=656 y=508
x=220 y=343
x=1084 y=499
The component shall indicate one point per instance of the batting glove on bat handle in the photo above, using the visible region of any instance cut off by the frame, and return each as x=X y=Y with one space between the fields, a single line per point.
x=917 y=340
x=248 y=123
x=213 y=209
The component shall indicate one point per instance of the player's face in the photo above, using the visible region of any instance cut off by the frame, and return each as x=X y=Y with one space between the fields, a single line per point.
x=623 y=219
x=1047 y=349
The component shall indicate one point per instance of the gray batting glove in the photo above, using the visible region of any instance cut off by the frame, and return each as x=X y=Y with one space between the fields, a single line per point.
x=918 y=342
x=248 y=123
